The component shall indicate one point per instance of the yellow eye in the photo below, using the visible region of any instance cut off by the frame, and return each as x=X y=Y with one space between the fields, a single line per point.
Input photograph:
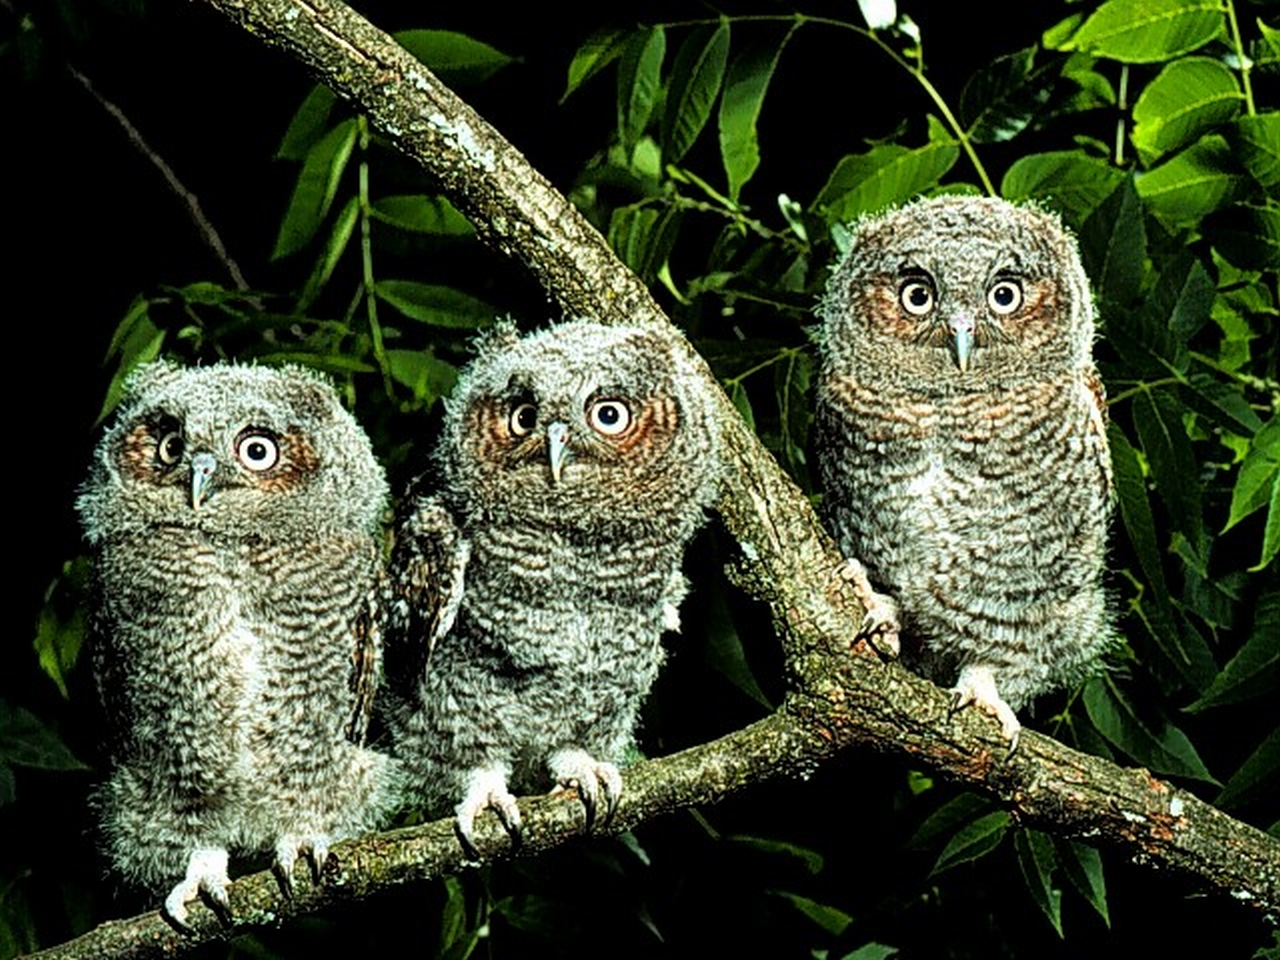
x=522 y=420
x=257 y=451
x=916 y=297
x=609 y=417
x=1004 y=297
x=169 y=449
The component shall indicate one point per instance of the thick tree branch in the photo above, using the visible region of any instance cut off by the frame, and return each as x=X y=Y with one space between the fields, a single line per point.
x=838 y=700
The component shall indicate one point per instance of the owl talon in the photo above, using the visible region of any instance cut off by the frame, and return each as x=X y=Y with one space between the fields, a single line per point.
x=487 y=789
x=206 y=877
x=977 y=686
x=592 y=780
x=880 y=624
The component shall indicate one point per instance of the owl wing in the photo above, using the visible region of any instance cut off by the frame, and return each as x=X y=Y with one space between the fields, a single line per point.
x=364 y=670
x=1098 y=419
x=428 y=563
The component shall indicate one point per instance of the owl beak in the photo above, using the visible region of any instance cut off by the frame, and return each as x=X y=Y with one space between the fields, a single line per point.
x=557 y=448
x=962 y=327
x=203 y=466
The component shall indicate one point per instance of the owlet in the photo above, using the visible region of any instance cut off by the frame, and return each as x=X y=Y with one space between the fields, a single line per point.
x=961 y=440
x=234 y=515
x=533 y=587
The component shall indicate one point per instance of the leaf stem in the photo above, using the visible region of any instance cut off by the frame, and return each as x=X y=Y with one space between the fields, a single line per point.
x=1242 y=58
x=366 y=260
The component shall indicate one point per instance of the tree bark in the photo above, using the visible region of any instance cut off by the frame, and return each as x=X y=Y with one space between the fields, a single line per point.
x=841 y=694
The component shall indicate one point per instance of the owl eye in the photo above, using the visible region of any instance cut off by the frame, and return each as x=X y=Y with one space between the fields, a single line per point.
x=916 y=297
x=610 y=417
x=169 y=449
x=258 y=451
x=1005 y=296
x=522 y=420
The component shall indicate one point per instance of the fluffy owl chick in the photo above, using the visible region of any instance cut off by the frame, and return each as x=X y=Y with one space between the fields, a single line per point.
x=962 y=443
x=234 y=513
x=532 y=590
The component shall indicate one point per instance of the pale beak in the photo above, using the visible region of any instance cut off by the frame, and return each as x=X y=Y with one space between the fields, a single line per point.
x=557 y=448
x=203 y=466
x=962 y=327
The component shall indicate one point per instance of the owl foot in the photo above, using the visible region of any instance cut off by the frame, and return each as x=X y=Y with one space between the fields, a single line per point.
x=880 y=624
x=592 y=780
x=207 y=877
x=314 y=848
x=487 y=789
x=977 y=685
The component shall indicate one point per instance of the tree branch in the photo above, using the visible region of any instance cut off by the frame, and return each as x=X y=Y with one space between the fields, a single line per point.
x=837 y=700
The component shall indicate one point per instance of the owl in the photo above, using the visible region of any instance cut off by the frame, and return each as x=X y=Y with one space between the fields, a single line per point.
x=234 y=514
x=961 y=440
x=533 y=585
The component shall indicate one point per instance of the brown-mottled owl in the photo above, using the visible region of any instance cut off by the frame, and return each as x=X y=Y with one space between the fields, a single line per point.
x=532 y=588
x=961 y=439
x=234 y=513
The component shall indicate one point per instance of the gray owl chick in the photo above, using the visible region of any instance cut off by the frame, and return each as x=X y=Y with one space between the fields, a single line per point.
x=961 y=440
x=234 y=513
x=533 y=589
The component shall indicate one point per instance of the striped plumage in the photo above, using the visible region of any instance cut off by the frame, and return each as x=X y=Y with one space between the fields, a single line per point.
x=234 y=514
x=961 y=439
x=532 y=588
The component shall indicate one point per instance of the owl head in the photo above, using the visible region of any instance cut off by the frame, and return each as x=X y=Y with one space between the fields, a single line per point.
x=579 y=425
x=230 y=450
x=969 y=291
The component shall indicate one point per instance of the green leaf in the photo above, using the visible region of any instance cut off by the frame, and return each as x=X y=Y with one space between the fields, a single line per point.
x=811 y=860
x=1113 y=246
x=63 y=625
x=1259 y=473
x=1083 y=866
x=872 y=951
x=831 y=919
x=422 y=372
x=599 y=50
x=437 y=305
x=639 y=84
x=884 y=177
x=315 y=189
x=1148 y=31
x=1193 y=183
x=1248 y=236
x=1258 y=777
x=1164 y=749
x=344 y=226
x=455 y=58
x=1185 y=99
x=1255 y=141
x=642 y=235
x=944 y=821
x=1193 y=662
x=742 y=403
x=1037 y=860
x=136 y=340
x=1255 y=669
x=1002 y=98
x=973 y=842
x=423 y=214
x=308 y=124
x=695 y=84
x=26 y=742
x=744 y=89
x=1157 y=414
x=1071 y=183
x=723 y=651
x=1224 y=404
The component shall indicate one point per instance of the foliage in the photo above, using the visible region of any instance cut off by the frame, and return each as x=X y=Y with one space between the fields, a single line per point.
x=1140 y=121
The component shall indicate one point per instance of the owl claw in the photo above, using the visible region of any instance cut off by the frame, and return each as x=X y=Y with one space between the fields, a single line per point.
x=314 y=848
x=880 y=623
x=592 y=780
x=206 y=877
x=487 y=789
x=977 y=686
